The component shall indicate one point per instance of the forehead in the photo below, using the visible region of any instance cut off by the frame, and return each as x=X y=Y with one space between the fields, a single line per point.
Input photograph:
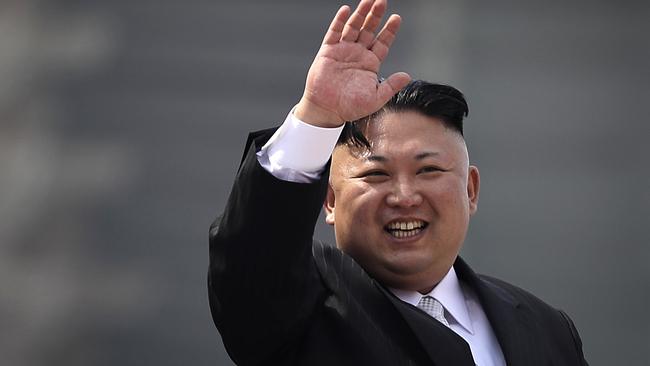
x=405 y=125
x=411 y=133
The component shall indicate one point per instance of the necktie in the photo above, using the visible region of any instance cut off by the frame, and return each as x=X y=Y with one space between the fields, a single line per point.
x=434 y=308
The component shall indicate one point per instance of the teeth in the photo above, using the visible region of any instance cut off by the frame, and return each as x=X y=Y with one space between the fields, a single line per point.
x=405 y=225
x=405 y=234
x=405 y=229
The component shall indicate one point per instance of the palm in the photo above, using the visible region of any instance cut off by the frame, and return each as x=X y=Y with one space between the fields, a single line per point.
x=342 y=82
x=344 y=79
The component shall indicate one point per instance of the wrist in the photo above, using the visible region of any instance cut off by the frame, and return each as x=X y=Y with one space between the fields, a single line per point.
x=314 y=115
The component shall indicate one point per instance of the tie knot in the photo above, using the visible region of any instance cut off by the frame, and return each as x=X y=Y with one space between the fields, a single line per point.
x=434 y=308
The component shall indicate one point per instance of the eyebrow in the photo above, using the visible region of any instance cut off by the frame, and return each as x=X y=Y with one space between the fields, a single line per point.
x=426 y=154
x=420 y=156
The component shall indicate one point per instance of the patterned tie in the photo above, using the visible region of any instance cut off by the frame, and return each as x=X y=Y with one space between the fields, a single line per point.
x=434 y=308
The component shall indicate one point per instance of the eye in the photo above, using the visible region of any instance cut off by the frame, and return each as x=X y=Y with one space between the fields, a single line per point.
x=430 y=169
x=374 y=173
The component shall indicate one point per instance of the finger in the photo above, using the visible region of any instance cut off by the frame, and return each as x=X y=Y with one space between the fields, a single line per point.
x=391 y=86
x=385 y=38
x=367 y=33
x=333 y=34
x=353 y=26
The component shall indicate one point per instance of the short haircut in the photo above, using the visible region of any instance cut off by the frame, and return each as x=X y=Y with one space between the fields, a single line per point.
x=433 y=100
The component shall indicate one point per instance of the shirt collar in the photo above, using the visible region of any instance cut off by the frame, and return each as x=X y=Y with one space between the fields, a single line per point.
x=450 y=294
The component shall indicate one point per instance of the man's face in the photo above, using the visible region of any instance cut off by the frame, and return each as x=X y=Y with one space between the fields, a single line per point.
x=401 y=209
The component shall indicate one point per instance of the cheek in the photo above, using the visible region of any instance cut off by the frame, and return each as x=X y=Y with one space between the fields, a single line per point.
x=448 y=195
x=358 y=207
x=356 y=217
x=361 y=196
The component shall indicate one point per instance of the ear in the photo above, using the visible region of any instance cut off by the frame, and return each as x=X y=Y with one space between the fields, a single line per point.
x=328 y=205
x=473 y=185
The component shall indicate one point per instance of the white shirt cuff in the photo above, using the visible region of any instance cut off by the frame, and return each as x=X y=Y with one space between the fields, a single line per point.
x=298 y=151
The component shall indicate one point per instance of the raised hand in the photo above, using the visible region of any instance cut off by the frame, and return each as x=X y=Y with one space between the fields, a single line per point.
x=342 y=82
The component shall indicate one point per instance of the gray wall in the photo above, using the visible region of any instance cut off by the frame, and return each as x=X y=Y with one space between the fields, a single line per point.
x=121 y=125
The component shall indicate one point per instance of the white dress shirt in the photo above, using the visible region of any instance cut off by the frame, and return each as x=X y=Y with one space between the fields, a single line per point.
x=298 y=152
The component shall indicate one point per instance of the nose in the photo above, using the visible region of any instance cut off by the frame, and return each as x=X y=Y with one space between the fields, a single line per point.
x=404 y=193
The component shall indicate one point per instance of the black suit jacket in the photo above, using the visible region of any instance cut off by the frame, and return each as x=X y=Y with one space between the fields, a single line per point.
x=280 y=298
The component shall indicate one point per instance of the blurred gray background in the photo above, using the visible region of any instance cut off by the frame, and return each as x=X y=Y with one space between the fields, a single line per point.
x=122 y=122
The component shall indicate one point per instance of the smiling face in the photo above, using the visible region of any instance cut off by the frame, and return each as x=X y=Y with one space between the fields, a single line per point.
x=402 y=208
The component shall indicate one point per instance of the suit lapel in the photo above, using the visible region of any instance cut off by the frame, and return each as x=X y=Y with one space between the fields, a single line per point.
x=443 y=346
x=510 y=319
x=421 y=338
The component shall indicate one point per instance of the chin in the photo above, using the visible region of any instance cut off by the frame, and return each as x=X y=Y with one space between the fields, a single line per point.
x=408 y=266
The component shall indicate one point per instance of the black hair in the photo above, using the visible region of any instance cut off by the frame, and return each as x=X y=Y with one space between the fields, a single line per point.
x=440 y=101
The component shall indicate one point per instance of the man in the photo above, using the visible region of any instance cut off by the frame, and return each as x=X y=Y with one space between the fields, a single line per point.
x=399 y=195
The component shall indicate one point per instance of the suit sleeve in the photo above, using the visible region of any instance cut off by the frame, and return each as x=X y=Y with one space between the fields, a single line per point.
x=263 y=285
x=576 y=338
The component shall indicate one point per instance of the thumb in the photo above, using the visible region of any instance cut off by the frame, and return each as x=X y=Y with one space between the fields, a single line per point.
x=391 y=86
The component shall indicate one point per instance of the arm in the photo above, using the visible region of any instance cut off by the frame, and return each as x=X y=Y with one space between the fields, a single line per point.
x=263 y=286
x=262 y=283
